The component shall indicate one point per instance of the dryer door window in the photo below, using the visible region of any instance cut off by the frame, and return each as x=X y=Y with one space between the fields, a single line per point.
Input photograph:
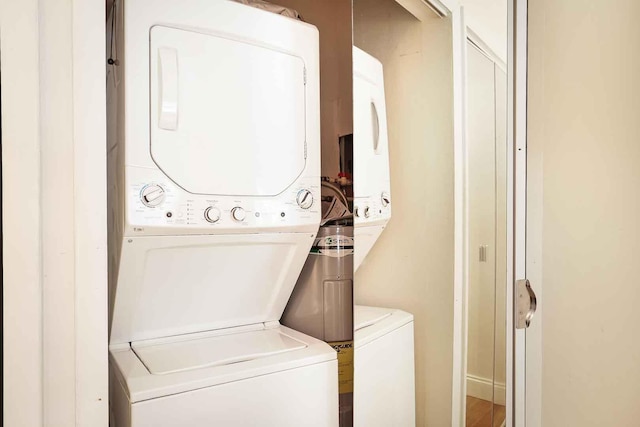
x=227 y=116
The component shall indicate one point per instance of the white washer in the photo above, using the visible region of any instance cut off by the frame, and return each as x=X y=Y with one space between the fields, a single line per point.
x=371 y=181
x=214 y=163
x=384 y=390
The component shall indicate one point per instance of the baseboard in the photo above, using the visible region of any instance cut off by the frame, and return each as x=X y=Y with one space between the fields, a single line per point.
x=483 y=388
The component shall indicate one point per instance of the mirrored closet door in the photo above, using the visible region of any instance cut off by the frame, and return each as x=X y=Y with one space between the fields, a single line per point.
x=486 y=328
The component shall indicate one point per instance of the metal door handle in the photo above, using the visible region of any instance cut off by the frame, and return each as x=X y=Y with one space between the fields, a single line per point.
x=526 y=304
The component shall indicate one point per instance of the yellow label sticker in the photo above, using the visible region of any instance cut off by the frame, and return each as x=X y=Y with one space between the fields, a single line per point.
x=345 y=365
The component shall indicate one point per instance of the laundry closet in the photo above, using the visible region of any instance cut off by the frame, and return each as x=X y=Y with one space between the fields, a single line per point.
x=281 y=204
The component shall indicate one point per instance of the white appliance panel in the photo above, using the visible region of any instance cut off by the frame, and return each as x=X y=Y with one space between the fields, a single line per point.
x=304 y=396
x=184 y=284
x=227 y=115
x=384 y=383
x=365 y=237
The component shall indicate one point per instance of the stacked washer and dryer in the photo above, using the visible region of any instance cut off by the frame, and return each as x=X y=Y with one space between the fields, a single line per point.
x=384 y=390
x=215 y=168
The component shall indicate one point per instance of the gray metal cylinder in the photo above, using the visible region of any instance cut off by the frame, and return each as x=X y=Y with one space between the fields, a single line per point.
x=321 y=304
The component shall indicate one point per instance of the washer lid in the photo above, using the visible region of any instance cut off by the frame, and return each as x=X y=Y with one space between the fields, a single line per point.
x=161 y=357
x=367 y=316
x=228 y=116
x=372 y=323
x=141 y=385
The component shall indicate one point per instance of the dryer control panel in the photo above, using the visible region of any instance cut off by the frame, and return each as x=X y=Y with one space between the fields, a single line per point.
x=158 y=206
x=372 y=210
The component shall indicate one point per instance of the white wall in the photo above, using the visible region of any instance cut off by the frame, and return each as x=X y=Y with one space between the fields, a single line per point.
x=411 y=267
x=488 y=19
x=584 y=210
x=54 y=213
x=21 y=225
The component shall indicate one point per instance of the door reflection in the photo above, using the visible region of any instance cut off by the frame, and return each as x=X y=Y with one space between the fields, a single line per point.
x=486 y=139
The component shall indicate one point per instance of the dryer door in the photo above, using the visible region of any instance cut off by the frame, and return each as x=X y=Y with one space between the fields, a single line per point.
x=371 y=146
x=227 y=116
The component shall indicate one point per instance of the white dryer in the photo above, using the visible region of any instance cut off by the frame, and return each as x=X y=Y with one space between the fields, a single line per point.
x=371 y=181
x=384 y=391
x=215 y=194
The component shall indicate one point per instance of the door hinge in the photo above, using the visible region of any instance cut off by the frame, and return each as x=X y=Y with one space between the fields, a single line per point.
x=526 y=304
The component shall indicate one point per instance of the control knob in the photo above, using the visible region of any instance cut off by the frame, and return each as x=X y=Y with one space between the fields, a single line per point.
x=238 y=214
x=212 y=214
x=367 y=212
x=152 y=195
x=385 y=199
x=304 y=199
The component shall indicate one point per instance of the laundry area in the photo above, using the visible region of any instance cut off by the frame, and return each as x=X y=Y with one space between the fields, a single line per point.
x=280 y=215
x=319 y=213
x=255 y=152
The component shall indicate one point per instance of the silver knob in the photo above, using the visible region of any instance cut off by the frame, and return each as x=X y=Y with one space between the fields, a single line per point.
x=304 y=199
x=212 y=214
x=238 y=213
x=367 y=212
x=152 y=195
x=385 y=199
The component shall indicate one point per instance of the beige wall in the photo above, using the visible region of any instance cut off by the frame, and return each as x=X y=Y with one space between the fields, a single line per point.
x=584 y=210
x=333 y=19
x=488 y=19
x=411 y=265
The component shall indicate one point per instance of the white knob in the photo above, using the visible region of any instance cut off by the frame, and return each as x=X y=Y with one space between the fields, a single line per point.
x=212 y=214
x=238 y=213
x=367 y=212
x=385 y=199
x=152 y=195
x=304 y=199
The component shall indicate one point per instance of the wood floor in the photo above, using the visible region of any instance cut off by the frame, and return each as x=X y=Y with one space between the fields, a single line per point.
x=479 y=413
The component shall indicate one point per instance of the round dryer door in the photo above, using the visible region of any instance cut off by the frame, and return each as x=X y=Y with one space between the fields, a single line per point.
x=227 y=116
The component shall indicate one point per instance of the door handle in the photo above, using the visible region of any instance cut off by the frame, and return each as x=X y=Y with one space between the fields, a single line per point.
x=375 y=126
x=526 y=304
x=168 y=73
